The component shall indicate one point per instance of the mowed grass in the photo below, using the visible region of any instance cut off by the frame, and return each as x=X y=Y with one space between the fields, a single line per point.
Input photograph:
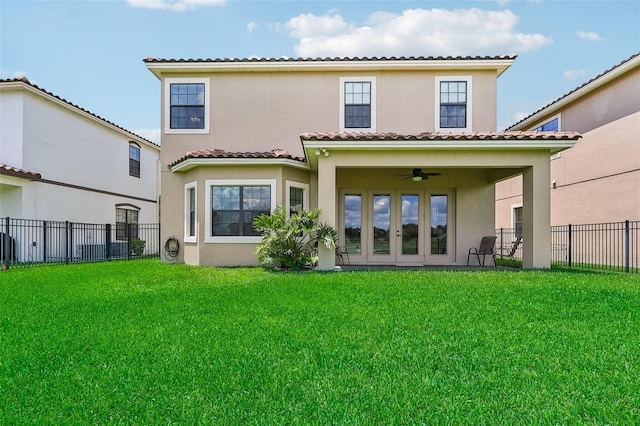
x=148 y=343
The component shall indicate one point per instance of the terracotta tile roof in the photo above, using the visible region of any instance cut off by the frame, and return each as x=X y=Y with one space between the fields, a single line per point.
x=26 y=81
x=220 y=153
x=439 y=136
x=16 y=172
x=335 y=59
x=597 y=77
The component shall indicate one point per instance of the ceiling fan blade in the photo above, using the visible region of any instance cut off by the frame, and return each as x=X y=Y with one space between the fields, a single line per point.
x=431 y=174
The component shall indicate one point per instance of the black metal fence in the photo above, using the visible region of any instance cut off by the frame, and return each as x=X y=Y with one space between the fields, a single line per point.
x=26 y=242
x=606 y=246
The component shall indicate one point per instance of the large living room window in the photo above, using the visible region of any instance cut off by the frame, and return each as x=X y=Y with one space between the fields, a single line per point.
x=358 y=104
x=453 y=103
x=233 y=205
x=186 y=105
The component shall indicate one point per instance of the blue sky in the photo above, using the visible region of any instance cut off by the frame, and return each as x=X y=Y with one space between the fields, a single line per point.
x=90 y=52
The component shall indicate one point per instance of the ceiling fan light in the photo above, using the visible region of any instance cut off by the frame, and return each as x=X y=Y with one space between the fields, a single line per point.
x=416 y=178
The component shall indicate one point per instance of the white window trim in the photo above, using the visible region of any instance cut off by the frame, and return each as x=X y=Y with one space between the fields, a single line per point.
x=369 y=79
x=468 y=79
x=187 y=187
x=305 y=194
x=513 y=214
x=167 y=106
x=549 y=120
x=232 y=182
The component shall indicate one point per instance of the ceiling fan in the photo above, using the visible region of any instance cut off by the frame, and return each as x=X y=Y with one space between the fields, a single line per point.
x=417 y=175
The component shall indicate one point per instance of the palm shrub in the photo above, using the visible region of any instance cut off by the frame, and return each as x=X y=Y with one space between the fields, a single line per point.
x=292 y=241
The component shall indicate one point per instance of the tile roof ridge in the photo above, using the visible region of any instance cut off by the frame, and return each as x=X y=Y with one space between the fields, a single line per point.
x=332 y=59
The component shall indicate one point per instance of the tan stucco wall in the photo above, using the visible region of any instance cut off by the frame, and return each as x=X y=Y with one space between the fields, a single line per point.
x=598 y=180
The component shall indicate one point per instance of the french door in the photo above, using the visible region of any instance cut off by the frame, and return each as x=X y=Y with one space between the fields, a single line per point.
x=398 y=226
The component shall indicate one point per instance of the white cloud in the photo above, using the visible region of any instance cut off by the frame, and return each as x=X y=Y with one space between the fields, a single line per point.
x=588 y=35
x=414 y=32
x=573 y=74
x=150 y=134
x=251 y=26
x=519 y=116
x=174 y=5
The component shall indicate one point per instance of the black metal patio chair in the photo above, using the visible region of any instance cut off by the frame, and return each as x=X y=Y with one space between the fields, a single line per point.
x=487 y=248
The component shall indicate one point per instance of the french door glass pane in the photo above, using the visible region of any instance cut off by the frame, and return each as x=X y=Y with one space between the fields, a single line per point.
x=381 y=224
x=410 y=214
x=439 y=224
x=353 y=223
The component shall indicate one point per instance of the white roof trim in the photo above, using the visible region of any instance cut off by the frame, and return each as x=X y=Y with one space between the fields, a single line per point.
x=191 y=163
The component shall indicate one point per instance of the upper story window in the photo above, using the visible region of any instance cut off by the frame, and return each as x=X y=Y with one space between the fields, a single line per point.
x=186 y=105
x=453 y=103
x=549 y=126
x=358 y=104
x=134 y=160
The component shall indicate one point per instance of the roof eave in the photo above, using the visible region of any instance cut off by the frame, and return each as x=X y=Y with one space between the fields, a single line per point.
x=191 y=163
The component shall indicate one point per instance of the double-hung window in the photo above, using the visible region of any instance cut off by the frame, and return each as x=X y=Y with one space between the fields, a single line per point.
x=233 y=206
x=186 y=105
x=134 y=160
x=358 y=104
x=453 y=103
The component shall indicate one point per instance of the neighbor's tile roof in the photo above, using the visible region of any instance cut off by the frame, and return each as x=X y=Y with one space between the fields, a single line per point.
x=16 y=172
x=26 y=81
x=439 y=136
x=220 y=153
x=597 y=77
x=335 y=59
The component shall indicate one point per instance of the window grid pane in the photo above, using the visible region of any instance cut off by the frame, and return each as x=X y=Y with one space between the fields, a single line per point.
x=235 y=207
x=187 y=106
x=295 y=200
x=453 y=104
x=357 y=104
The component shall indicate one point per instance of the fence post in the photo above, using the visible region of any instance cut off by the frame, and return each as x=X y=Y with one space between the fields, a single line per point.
x=501 y=240
x=107 y=240
x=129 y=232
x=570 y=247
x=627 y=236
x=44 y=241
x=5 y=245
x=68 y=236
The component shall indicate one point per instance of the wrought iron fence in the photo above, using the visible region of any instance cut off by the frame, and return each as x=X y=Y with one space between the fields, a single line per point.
x=26 y=242
x=607 y=246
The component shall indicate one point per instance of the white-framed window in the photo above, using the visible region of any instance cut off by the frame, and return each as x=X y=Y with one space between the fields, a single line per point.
x=516 y=219
x=297 y=196
x=191 y=212
x=551 y=125
x=357 y=104
x=453 y=102
x=134 y=159
x=186 y=105
x=232 y=205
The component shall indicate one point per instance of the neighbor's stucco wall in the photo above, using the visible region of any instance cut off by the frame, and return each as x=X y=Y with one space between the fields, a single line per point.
x=79 y=160
x=598 y=180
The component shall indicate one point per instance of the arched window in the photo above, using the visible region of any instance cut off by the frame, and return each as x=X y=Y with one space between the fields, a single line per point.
x=134 y=159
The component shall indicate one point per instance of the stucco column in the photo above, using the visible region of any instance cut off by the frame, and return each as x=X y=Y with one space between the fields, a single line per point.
x=536 y=215
x=327 y=205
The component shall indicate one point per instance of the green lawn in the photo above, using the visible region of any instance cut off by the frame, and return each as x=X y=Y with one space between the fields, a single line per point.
x=147 y=343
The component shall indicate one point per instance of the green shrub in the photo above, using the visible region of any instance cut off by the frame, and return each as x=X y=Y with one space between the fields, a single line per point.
x=137 y=247
x=292 y=242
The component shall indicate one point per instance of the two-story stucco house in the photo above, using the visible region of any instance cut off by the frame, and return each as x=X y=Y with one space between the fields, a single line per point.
x=598 y=180
x=400 y=154
x=61 y=162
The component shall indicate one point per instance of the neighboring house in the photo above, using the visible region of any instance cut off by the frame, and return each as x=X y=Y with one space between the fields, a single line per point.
x=354 y=137
x=61 y=162
x=598 y=180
